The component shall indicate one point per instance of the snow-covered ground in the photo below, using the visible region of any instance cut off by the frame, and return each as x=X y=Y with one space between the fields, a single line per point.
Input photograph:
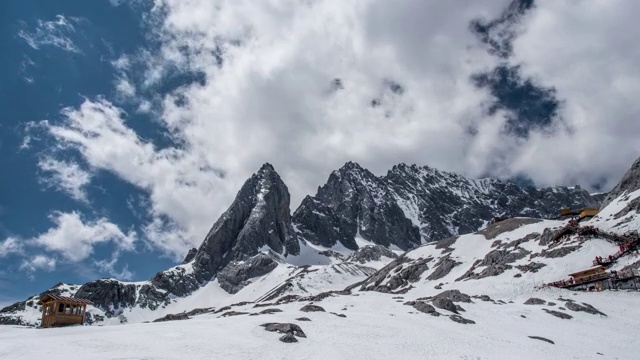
x=376 y=327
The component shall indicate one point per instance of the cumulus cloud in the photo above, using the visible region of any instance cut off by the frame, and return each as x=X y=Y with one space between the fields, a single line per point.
x=109 y=267
x=38 y=262
x=309 y=85
x=11 y=245
x=66 y=176
x=75 y=239
x=55 y=33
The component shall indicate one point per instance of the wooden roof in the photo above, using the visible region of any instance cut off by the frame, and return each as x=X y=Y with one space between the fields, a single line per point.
x=582 y=272
x=66 y=299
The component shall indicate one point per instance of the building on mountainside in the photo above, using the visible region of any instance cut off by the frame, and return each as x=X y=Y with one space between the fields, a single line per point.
x=591 y=274
x=566 y=212
x=588 y=212
x=62 y=310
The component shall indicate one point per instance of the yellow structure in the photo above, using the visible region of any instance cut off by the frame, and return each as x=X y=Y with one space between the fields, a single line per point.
x=566 y=211
x=590 y=274
x=588 y=212
x=62 y=310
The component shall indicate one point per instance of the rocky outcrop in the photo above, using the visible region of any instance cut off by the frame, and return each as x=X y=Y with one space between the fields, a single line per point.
x=236 y=274
x=371 y=253
x=172 y=317
x=110 y=295
x=535 y=301
x=397 y=274
x=630 y=182
x=190 y=255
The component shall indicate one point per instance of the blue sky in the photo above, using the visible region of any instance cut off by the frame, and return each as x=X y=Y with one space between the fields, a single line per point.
x=128 y=126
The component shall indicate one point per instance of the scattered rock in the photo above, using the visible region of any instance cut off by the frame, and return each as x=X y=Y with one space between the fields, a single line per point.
x=224 y=308
x=542 y=339
x=270 y=311
x=584 y=308
x=453 y=295
x=303 y=319
x=172 y=317
x=339 y=315
x=285 y=328
x=518 y=275
x=551 y=303
x=522 y=316
x=446 y=304
x=233 y=313
x=288 y=338
x=558 y=314
x=531 y=267
x=369 y=253
x=423 y=307
x=535 y=301
x=461 y=320
x=459 y=308
x=199 y=311
x=442 y=268
x=311 y=308
x=483 y=297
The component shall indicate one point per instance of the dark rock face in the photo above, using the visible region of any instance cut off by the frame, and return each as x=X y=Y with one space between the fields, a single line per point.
x=109 y=293
x=630 y=182
x=259 y=216
x=311 y=308
x=303 y=319
x=442 y=268
x=414 y=203
x=531 y=267
x=235 y=275
x=535 y=301
x=172 y=317
x=454 y=295
x=558 y=314
x=423 y=307
x=190 y=255
x=372 y=253
x=270 y=311
x=542 y=339
x=459 y=319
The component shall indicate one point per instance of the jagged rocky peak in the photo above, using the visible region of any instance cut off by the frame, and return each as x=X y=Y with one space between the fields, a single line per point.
x=354 y=203
x=413 y=204
x=258 y=217
x=630 y=182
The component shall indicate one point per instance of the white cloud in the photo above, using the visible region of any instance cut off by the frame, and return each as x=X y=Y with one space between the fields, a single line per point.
x=55 y=33
x=66 y=176
x=38 y=262
x=75 y=239
x=273 y=99
x=11 y=245
x=108 y=266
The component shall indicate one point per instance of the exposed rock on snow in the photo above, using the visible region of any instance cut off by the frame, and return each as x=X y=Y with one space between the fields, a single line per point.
x=459 y=319
x=573 y=306
x=558 y=314
x=288 y=338
x=369 y=253
x=542 y=339
x=535 y=301
x=190 y=256
x=303 y=319
x=172 y=317
x=630 y=182
x=405 y=271
x=285 y=328
x=311 y=308
x=444 y=303
x=270 y=311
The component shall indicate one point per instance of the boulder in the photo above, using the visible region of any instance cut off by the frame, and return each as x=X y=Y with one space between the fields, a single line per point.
x=535 y=301
x=459 y=319
x=285 y=328
x=311 y=308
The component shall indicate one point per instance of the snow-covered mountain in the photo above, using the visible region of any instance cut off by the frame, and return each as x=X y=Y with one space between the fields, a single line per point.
x=476 y=295
x=357 y=224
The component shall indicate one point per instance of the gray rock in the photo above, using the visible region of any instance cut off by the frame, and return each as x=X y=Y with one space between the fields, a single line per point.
x=531 y=267
x=199 y=311
x=454 y=295
x=109 y=294
x=288 y=338
x=442 y=268
x=172 y=317
x=270 y=311
x=303 y=319
x=233 y=313
x=483 y=297
x=312 y=308
x=285 y=328
x=190 y=256
x=573 y=306
x=559 y=252
x=558 y=314
x=423 y=307
x=630 y=182
x=397 y=274
x=535 y=301
x=233 y=277
x=461 y=320
x=371 y=253
x=542 y=339
x=445 y=304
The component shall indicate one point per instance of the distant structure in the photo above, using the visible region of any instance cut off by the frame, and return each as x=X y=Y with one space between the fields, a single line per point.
x=497 y=219
x=62 y=310
x=582 y=213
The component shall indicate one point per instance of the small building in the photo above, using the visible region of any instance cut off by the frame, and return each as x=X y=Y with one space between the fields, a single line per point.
x=591 y=274
x=588 y=212
x=62 y=311
x=566 y=212
x=497 y=219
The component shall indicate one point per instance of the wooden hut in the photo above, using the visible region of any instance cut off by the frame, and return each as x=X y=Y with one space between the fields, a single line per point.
x=62 y=310
x=566 y=212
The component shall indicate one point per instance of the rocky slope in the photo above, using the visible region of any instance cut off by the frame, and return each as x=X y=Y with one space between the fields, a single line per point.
x=412 y=205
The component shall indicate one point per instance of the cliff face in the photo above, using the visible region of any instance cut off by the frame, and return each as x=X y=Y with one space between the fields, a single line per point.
x=630 y=182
